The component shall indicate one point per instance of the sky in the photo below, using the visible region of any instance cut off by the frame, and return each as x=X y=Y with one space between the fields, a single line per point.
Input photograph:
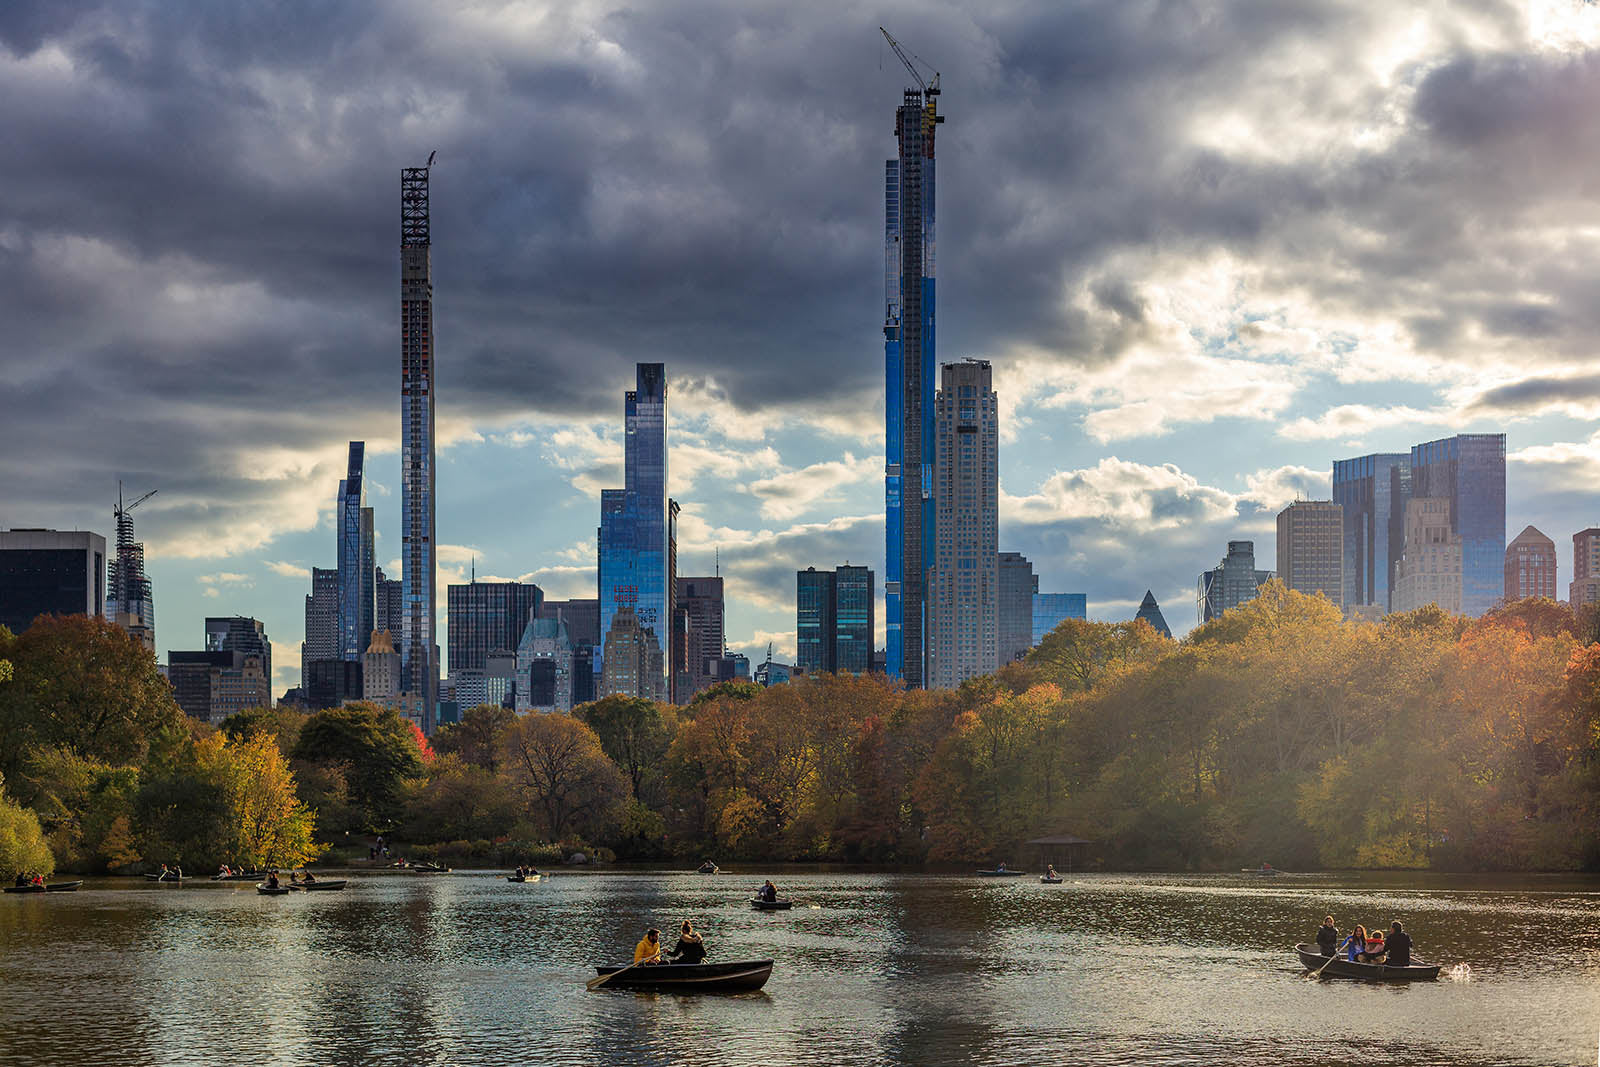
x=1209 y=248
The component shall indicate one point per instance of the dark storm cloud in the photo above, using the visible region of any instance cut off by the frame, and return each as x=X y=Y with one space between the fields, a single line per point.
x=1534 y=394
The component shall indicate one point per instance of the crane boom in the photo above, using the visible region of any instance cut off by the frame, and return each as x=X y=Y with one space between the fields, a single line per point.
x=928 y=88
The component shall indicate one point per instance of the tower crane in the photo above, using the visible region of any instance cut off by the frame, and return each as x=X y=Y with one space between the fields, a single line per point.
x=123 y=509
x=928 y=88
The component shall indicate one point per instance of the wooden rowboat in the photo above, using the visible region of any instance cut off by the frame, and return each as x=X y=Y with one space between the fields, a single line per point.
x=524 y=878
x=239 y=876
x=740 y=976
x=273 y=890
x=1339 y=967
x=428 y=868
x=64 y=887
x=168 y=877
x=1047 y=880
x=337 y=883
x=771 y=905
x=1002 y=874
x=25 y=889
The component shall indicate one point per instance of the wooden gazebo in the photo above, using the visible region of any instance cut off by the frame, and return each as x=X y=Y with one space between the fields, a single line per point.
x=1055 y=848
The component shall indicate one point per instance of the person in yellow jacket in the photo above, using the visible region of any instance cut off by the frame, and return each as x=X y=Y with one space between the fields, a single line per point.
x=648 y=950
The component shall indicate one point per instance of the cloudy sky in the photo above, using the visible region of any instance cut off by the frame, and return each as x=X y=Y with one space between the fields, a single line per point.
x=1209 y=247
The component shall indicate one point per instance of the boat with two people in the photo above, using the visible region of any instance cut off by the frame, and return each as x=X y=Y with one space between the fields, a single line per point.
x=524 y=874
x=166 y=874
x=707 y=868
x=36 y=884
x=1001 y=871
x=691 y=975
x=272 y=887
x=1050 y=877
x=766 y=899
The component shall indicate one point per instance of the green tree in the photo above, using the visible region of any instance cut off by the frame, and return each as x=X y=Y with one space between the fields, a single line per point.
x=636 y=734
x=457 y=801
x=22 y=844
x=477 y=738
x=374 y=749
x=282 y=725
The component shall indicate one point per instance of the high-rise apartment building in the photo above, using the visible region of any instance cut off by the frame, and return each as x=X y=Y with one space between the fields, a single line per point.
x=1052 y=609
x=1530 y=566
x=1365 y=488
x=835 y=620
x=634 y=542
x=50 y=572
x=240 y=633
x=1311 y=555
x=419 y=645
x=389 y=612
x=1018 y=583
x=908 y=332
x=321 y=643
x=1469 y=470
x=1585 y=587
x=704 y=636
x=1431 y=560
x=964 y=583
x=130 y=598
x=1232 y=582
x=582 y=620
x=1150 y=612
x=380 y=670
x=357 y=571
x=544 y=667
x=484 y=617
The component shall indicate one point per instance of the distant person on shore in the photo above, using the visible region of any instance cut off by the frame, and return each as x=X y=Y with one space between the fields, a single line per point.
x=648 y=950
x=1399 y=946
x=1328 y=936
x=691 y=948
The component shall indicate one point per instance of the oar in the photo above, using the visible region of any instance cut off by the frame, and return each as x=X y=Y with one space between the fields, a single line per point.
x=1318 y=972
x=595 y=983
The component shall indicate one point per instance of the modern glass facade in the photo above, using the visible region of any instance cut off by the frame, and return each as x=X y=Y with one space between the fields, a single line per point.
x=908 y=331
x=855 y=599
x=357 y=571
x=1018 y=583
x=1365 y=488
x=1469 y=470
x=50 y=572
x=1233 y=582
x=1150 y=612
x=485 y=617
x=419 y=644
x=814 y=612
x=1052 y=609
x=634 y=551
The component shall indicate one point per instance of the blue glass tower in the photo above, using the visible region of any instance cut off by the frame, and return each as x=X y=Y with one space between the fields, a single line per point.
x=908 y=332
x=419 y=650
x=1362 y=486
x=357 y=577
x=633 y=553
x=1470 y=469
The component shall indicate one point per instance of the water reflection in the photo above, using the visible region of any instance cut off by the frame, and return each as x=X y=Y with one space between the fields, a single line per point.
x=872 y=968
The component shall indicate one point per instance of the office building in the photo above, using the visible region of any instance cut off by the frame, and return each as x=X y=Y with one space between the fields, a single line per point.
x=389 y=612
x=322 y=624
x=733 y=667
x=1232 y=582
x=212 y=685
x=380 y=669
x=1311 y=555
x=357 y=571
x=908 y=333
x=484 y=616
x=419 y=644
x=1365 y=488
x=1469 y=471
x=964 y=584
x=242 y=634
x=130 y=597
x=1018 y=583
x=836 y=616
x=632 y=659
x=1431 y=562
x=50 y=572
x=544 y=667
x=582 y=620
x=1150 y=612
x=332 y=682
x=814 y=615
x=1052 y=609
x=699 y=601
x=634 y=564
x=1530 y=566
x=1585 y=587
x=772 y=673
x=494 y=683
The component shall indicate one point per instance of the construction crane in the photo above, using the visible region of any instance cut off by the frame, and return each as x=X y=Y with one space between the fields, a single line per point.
x=928 y=88
x=123 y=509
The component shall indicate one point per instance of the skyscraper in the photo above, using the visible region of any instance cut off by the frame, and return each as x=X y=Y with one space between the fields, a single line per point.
x=544 y=667
x=1429 y=571
x=1052 y=609
x=700 y=602
x=485 y=617
x=855 y=617
x=321 y=643
x=130 y=601
x=1469 y=470
x=582 y=620
x=1585 y=588
x=1232 y=582
x=908 y=332
x=964 y=584
x=419 y=652
x=389 y=613
x=1530 y=566
x=632 y=659
x=1311 y=555
x=357 y=571
x=814 y=614
x=240 y=633
x=50 y=572
x=1150 y=612
x=1018 y=583
x=1364 y=487
x=380 y=670
x=634 y=564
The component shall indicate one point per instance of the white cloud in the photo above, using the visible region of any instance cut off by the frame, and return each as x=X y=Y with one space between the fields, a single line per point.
x=1121 y=494
x=287 y=570
x=793 y=493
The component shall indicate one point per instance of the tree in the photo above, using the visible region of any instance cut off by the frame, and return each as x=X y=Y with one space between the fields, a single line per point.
x=563 y=779
x=22 y=844
x=266 y=824
x=282 y=725
x=636 y=734
x=375 y=750
x=457 y=801
x=1078 y=654
x=477 y=737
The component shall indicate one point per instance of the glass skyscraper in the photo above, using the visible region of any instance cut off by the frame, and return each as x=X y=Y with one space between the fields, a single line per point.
x=1364 y=488
x=1052 y=609
x=485 y=617
x=357 y=571
x=1470 y=471
x=835 y=620
x=633 y=542
x=908 y=332
x=419 y=648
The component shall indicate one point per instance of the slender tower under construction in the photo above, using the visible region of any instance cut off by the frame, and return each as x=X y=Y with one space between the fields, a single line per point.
x=908 y=332
x=419 y=653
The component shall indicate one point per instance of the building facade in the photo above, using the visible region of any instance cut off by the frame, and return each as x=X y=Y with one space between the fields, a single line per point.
x=1232 y=582
x=322 y=624
x=1052 y=609
x=419 y=643
x=703 y=636
x=1469 y=471
x=389 y=610
x=814 y=613
x=634 y=550
x=212 y=685
x=130 y=596
x=243 y=634
x=964 y=584
x=50 y=572
x=482 y=617
x=1150 y=612
x=380 y=670
x=1585 y=587
x=632 y=659
x=908 y=332
x=357 y=571
x=855 y=618
x=1530 y=566
x=544 y=668
x=581 y=617
x=1430 y=565
x=1311 y=555
x=1365 y=488
x=1018 y=584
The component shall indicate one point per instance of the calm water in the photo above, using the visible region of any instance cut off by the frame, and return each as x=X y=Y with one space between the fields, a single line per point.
x=871 y=968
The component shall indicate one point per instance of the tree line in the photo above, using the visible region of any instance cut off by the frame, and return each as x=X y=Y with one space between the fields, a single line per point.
x=1278 y=732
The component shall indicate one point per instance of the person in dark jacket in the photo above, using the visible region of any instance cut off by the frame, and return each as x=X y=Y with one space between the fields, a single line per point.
x=691 y=948
x=1328 y=936
x=1399 y=946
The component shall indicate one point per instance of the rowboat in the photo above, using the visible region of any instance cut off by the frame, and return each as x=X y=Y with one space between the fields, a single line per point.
x=25 y=889
x=1047 y=880
x=771 y=905
x=239 y=876
x=168 y=877
x=338 y=883
x=737 y=977
x=1002 y=874
x=524 y=878
x=1339 y=967
x=273 y=890
x=428 y=868
x=1261 y=872
x=64 y=887
x=709 y=868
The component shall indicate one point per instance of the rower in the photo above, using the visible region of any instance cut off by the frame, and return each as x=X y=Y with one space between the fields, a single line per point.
x=648 y=950
x=1399 y=946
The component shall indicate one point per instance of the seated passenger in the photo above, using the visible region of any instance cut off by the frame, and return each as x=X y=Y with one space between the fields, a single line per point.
x=691 y=948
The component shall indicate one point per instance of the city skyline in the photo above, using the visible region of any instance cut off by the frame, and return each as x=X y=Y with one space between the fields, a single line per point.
x=1167 y=394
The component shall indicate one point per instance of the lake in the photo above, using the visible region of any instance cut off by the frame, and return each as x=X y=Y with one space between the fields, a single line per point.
x=872 y=967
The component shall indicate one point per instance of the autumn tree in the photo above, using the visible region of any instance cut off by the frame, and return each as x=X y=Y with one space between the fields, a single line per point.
x=563 y=780
x=22 y=843
x=478 y=738
x=264 y=823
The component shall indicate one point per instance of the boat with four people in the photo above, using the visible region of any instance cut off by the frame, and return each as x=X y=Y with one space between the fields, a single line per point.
x=1339 y=967
x=738 y=976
